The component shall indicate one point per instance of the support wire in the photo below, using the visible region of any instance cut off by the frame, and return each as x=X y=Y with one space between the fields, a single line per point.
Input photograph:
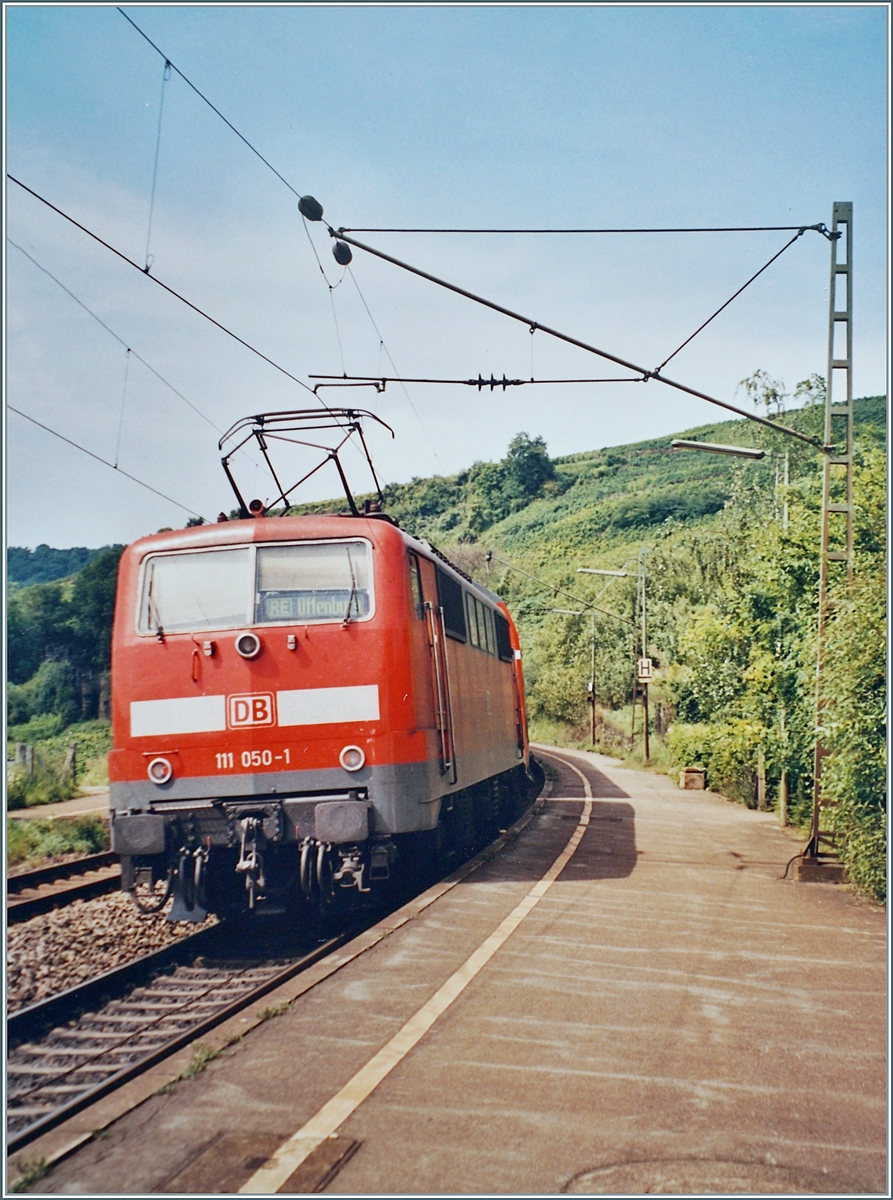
x=797 y=235
x=166 y=74
x=104 y=461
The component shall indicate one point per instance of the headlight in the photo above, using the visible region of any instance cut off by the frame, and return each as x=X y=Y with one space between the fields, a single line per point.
x=352 y=758
x=160 y=770
x=248 y=645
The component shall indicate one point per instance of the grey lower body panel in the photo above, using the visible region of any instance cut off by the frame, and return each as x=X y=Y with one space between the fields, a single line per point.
x=404 y=796
x=401 y=794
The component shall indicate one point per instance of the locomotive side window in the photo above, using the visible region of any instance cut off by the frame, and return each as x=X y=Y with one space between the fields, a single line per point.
x=449 y=593
x=415 y=582
x=487 y=614
x=312 y=582
x=482 y=629
x=503 y=641
x=195 y=591
x=472 y=620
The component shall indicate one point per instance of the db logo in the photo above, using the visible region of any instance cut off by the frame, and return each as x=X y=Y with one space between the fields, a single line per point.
x=254 y=709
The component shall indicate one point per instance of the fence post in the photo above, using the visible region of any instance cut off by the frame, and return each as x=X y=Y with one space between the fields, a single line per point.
x=761 y=779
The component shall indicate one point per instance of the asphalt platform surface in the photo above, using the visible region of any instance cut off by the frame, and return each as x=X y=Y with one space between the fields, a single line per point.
x=668 y=1016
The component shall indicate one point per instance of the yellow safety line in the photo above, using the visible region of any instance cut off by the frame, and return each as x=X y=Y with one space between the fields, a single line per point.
x=274 y=1173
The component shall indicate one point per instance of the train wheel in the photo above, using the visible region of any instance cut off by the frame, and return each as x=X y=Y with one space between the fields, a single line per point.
x=306 y=870
x=325 y=878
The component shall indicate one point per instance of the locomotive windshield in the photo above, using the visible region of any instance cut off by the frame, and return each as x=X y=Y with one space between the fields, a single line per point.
x=206 y=590
x=266 y=584
x=324 y=582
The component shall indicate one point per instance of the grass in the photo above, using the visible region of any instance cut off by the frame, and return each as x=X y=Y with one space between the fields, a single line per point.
x=30 y=1173
x=274 y=1010
x=201 y=1056
x=611 y=738
x=31 y=842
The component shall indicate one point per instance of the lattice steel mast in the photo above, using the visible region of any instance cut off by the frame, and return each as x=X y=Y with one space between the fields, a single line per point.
x=836 y=555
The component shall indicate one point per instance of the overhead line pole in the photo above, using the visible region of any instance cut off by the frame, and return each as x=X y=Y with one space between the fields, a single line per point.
x=837 y=483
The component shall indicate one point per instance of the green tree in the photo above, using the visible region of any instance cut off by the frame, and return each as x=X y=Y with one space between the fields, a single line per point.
x=527 y=464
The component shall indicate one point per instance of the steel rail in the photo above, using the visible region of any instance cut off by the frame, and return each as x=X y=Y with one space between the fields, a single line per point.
x=35 y=1020
x=21 y=881
x=22 y=908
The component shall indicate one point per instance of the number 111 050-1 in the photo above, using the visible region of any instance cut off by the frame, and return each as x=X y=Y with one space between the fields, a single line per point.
x=251 y=758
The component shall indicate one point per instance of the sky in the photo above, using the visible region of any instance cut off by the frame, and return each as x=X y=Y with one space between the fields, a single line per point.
x=494 y=117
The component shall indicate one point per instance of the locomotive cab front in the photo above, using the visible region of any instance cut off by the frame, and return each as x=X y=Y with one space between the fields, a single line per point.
x=249 y=686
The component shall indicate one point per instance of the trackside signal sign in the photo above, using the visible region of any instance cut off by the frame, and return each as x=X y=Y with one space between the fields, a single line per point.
x=253 y=708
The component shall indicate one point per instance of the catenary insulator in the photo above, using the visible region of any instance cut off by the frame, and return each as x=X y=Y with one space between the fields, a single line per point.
x=310 y=207
x=342 y=253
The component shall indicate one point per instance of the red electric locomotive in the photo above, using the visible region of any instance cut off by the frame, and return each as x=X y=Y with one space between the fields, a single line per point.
x=301 y=705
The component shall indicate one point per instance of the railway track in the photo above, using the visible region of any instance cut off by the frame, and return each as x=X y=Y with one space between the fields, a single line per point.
x=30 y=893
x=69 y=1051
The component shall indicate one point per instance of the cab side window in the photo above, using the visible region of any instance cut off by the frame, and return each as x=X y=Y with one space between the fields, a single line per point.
x=471 y=619
x=449 y=593
x=415 y=582
x=491 y=632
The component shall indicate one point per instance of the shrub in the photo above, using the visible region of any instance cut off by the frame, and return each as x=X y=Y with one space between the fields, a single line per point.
x=48 y=785
x=33 y=840
x=855 y=725
x=728 y=753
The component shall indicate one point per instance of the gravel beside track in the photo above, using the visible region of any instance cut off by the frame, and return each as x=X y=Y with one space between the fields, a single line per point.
x=66 y=947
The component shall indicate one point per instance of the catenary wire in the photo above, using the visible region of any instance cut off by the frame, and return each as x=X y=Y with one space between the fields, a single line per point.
x=154 y=279
x=480 y=382
x=318 y=259
x=818 y=227
x=201 y=96
x=692 y=336
x=116 y=336
x=123 y=343
x=123 y=402
x=253 y=149
x=559 y=591
x=572 y=341
x=104 y=461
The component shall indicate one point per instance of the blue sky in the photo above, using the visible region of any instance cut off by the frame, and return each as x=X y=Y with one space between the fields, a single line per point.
x=417 y=116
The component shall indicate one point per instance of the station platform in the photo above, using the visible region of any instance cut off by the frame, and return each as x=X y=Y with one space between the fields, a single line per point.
x=627 y=998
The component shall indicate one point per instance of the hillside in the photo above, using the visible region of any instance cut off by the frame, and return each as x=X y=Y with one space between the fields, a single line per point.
x=597 y=500
x=46 y=564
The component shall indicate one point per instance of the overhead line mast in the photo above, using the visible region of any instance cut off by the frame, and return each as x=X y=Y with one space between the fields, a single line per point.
x=837 y=484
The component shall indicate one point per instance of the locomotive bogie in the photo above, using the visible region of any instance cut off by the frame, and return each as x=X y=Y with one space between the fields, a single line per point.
x=292 y=698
